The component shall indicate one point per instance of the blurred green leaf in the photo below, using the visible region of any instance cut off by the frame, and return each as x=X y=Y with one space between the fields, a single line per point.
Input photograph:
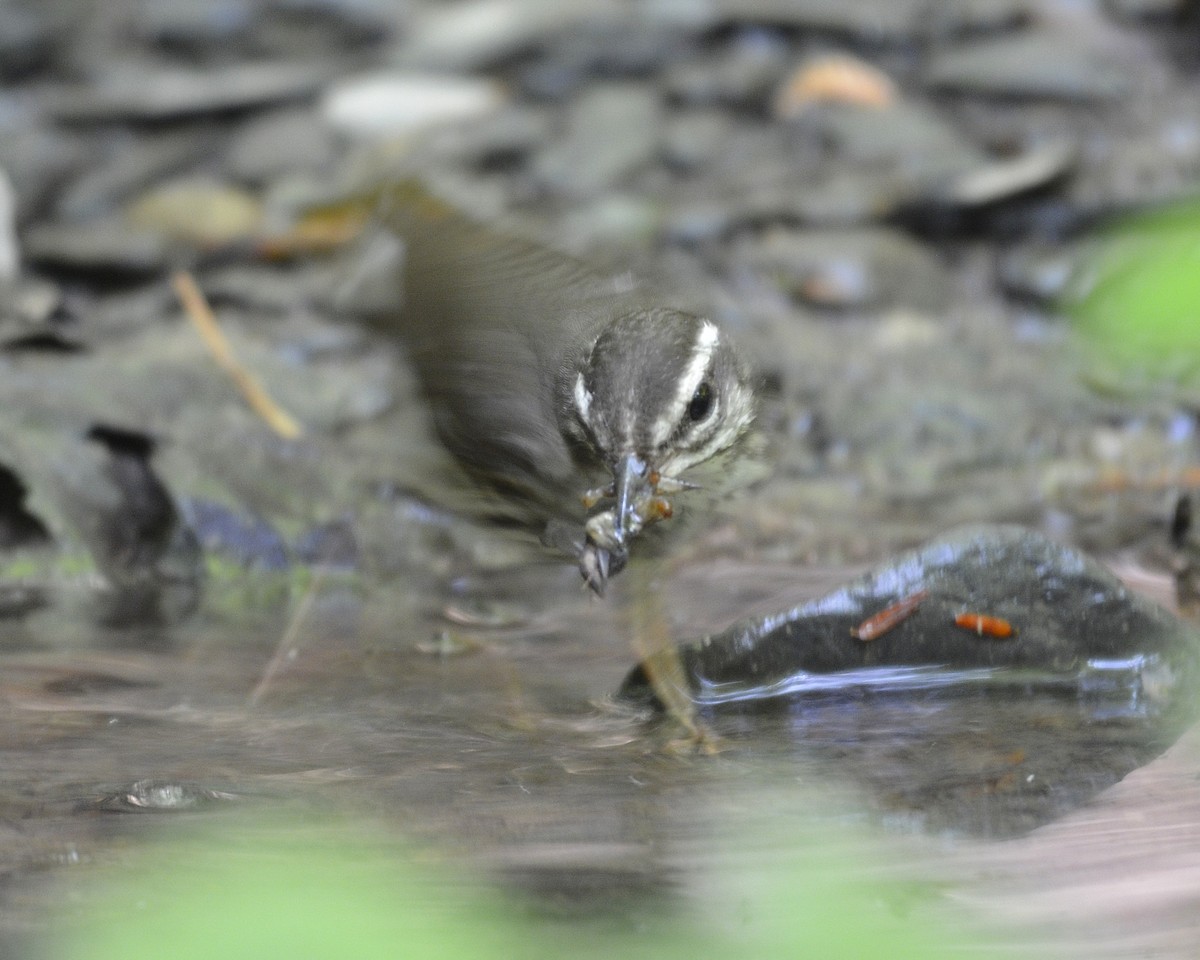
x=302 y=893
x=1136 y=304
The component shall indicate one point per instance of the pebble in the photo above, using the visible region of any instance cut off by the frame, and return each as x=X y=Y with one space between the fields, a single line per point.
x=148 y=91
x=244 y=538
x=108 y=250
x=389 y=105
x=504 y=137
x=129 y=164
x=611 y=130
x=189 y=25
x=858 y=268
x=1037 y=272
x=1003 y=179
x=26 y=39
x=10 y=251
x=475 y=34
x=197 y=210
x=281 y=144
x=691 y=138
x=1041 y=64
x=38 y=159
x=913 y=137
x=743 y=76
x=28 y=308
x=875 y=21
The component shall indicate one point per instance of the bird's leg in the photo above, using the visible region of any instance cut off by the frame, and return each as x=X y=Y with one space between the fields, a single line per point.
x=659 y=657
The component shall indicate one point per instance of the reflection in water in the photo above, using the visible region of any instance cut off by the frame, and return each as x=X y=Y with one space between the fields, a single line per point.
x=512 y=753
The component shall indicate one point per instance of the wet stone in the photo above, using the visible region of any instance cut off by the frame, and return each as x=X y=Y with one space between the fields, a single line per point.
x=484 y=33
x=38 y=160
x=744 y=76
x=852 y=268
x=126 y=165
x=150 y=92
x=1036 y=272
x=868 y=20
x=1029 y=65
x=10 y=253
x=243 y=538
x=1004 y=179
x=26 y=39
x=30 y=313
x=161 y=796
x=385 y=105
x=281 y=144
x=693 y=137
x=912 y=136
x=958 y=18
x=503 y=138
x=611 y=130
x=841 y=198
x=1145 y=9
x=1070 y=619
x=187 y=25
x=109 y=249
x=197 y=210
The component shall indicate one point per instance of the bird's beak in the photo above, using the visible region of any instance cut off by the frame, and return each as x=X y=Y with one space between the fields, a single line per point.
x=631 y=486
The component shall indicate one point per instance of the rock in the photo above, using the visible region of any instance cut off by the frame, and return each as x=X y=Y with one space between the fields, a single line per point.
x=29 y=310
x=108 y=249
x=743 y=76
x=150 y=92
x=837 y=197
x=918 y=143
x=198 y=211
x=504 y=137
x=1146 y=9
x=281 y=144
x=388 y=105
x=1039 y=64
x=483 y=33
x=1072 y=622
x=125 y=165
x=1003 y=179
x=353 y=22
x=37 y=159
x=867 y=20
x=188 y=25
x=10 y=252
x=243 y=538
x=852 y=268
x=693 y=137
x=123 y=513
x=26 y=39
x=611 y=130
x=1037 y=272
x=960 y=18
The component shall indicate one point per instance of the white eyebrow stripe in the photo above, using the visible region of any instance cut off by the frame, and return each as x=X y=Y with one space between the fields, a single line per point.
x=707 y=339
x=583 y=400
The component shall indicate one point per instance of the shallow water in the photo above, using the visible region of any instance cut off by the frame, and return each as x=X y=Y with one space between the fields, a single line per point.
x=513 y=753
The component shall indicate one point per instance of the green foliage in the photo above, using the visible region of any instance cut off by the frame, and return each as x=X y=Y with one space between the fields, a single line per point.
x=1137 y=304
x=301 y=895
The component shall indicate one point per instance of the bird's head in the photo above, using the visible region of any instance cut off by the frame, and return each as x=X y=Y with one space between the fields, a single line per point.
x=658 y=392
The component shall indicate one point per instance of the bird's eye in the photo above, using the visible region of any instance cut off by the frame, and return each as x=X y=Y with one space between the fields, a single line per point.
x=701 y=403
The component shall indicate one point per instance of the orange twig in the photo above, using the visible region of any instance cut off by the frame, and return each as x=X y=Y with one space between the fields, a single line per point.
x=201 y=316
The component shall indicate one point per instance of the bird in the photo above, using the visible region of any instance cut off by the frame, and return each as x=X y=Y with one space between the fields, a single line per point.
x=581 y=402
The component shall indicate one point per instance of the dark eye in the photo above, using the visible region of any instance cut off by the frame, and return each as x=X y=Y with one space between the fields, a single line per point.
x=701 y=404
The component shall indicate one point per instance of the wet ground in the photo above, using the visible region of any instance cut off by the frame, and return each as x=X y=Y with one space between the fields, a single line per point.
x=882 y=201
